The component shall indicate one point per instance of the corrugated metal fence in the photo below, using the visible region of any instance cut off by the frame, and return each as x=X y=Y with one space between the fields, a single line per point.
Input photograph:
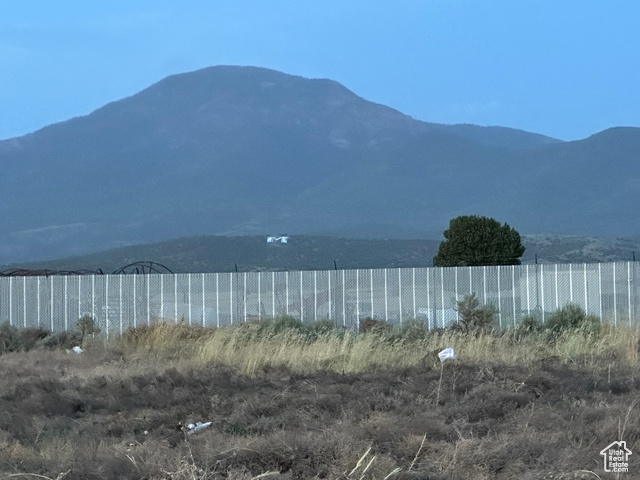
x=117 y=302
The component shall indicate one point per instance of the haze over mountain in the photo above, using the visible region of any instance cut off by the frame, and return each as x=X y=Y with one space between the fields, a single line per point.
x=244 y=150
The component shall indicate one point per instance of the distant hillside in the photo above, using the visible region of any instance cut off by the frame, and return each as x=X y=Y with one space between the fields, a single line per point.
x=243 y=151
x=573 y=249
x=253 y=253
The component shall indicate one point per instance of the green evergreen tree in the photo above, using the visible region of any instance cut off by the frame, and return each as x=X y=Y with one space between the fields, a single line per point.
x=474 y=240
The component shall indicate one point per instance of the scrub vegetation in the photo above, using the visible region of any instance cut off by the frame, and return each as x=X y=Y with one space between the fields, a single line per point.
x=291 y=400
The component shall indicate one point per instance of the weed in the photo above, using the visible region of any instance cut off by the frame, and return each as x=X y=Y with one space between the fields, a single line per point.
x=13 y=339
x=370 y=325
x=529 y=325
x=86 y=325
x=474 y=317
x=571 y=319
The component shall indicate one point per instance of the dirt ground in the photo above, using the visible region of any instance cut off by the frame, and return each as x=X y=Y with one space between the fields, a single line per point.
x=104 y=415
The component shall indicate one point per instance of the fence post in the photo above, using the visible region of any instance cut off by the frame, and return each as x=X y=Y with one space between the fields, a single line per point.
x=442 y=293
x=344 y=311
x=600 y=288
x=204 y=323
x=120 y=301
x=557 y=302
x=586 y=299
x=259 y=296
x=38 y=298
x=188 y=297
x=429 y=273
x=414 y=292
x=513 y=290
x=79 y=296
x=231 y=297
x=357 y=294
x=371 y=290
x=24 y=301
x=615 y=303
x=400 y=293
x=527 y=286
x=51 y=301
x=11 y=301
x=217 y=302
x=484 y=282
x=629 y=289
x=570 y=284
x=386 y=308
x=162 y=297
x=455 y=277
x=106 y=303
x=135 y=302
x=329 y=294
x=499 y=300
x=93 y=297
x=542 y=291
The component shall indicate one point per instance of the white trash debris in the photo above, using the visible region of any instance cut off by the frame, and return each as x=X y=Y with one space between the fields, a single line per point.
x=76 y=349
x=446 y=354
x=195 y=428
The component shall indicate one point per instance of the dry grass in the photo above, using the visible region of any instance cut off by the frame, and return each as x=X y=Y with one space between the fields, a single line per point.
x=251 y=351
x=305 y=403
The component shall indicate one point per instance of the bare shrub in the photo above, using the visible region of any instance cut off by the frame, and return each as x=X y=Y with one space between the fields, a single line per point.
x=370 y=325
x=570 y=319
x=474 y=317
x=14 y=339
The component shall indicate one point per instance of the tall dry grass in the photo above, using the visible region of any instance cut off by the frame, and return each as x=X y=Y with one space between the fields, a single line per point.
x=251 y=349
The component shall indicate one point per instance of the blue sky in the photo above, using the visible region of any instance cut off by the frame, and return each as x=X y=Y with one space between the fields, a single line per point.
x=562 y=68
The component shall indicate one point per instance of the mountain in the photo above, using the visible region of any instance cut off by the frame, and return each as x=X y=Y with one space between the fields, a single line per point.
x=307 y=252
x=253 y=253
x=244 y=150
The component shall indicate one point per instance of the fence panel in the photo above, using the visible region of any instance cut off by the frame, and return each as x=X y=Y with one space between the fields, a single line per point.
x=118 y=302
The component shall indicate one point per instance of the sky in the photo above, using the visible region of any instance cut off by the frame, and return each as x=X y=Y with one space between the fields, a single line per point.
x=562 y=68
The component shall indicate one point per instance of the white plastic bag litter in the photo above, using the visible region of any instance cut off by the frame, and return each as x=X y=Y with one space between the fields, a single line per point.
x=446 y=354
x=196 y=427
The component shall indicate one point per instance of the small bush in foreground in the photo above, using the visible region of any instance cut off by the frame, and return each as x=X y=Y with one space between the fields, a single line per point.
x=283 y=323
x=529 y=325
x=13 y=339
x=163 y=337
x=572 y=318
x=474 y=317
x=66 y=339
x=370 y=325
x=412 y=330
x=86 y=325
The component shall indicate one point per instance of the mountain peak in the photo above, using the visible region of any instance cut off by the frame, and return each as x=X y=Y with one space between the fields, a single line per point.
x=231 y=150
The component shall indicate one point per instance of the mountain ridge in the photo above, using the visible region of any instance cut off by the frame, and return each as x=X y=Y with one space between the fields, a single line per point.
x=246 y=150
x=210 y=254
